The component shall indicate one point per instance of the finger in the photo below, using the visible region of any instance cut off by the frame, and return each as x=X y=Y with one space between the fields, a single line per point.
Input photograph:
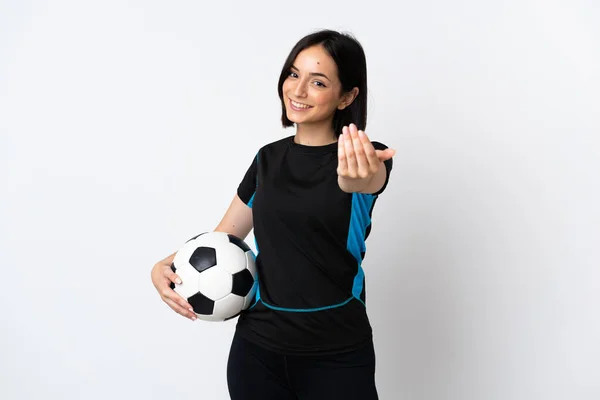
x=169 y=293
x=342 y=161
x=386 y=154
x=180 y=310
x=350 y=155
x=177 y=299
x=362 y=163
x=169 y=273
x=370 y=153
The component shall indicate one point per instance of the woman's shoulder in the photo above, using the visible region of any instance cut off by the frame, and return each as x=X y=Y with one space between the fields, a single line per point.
x=275 y=145
x=279 y=142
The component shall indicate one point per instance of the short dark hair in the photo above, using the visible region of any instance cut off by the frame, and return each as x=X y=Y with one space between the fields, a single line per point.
x=349 y=56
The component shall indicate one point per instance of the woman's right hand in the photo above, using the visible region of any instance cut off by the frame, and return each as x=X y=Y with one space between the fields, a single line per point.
x=162 y=276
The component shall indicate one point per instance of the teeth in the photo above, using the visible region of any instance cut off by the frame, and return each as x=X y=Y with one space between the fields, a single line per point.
x=299 y=105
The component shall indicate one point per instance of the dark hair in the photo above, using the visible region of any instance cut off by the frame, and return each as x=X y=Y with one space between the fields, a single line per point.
x=349 y=56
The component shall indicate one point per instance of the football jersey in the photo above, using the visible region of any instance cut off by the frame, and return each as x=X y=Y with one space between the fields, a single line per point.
x=310 y=243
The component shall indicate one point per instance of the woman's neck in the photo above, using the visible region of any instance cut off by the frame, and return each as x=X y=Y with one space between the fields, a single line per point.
x=309 y=135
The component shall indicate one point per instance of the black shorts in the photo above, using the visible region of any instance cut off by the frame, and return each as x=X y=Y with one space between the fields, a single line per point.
x=255 y=373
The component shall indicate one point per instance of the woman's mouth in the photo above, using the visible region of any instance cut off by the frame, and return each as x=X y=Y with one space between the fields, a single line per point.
x=298 y=106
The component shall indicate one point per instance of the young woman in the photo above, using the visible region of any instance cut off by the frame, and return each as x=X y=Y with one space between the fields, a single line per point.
x=309 y=198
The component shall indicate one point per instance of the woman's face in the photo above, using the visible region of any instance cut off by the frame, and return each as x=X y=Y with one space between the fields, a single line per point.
x=312 y=90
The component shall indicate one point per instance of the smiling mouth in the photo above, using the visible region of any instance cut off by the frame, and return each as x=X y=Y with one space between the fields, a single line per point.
x=299 y=106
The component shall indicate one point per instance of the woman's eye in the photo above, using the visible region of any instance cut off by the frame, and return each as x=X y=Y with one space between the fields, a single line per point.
x=293 y=74
x=320 y=84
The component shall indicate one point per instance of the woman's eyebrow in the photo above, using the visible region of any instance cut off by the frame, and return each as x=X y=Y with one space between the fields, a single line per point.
x=314 y=73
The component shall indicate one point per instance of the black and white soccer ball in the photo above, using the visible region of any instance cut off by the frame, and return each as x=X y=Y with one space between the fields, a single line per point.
x=218 y=275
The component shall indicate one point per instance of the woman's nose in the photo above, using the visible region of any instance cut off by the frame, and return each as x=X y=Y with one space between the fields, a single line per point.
x=300 y=89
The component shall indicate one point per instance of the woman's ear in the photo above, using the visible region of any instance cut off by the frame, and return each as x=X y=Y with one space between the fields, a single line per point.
x=348 y=98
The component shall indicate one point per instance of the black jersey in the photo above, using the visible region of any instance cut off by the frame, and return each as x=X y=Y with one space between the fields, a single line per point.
x=310 y=241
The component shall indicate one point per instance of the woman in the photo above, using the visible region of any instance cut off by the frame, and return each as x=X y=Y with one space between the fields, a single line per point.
x=309 y=198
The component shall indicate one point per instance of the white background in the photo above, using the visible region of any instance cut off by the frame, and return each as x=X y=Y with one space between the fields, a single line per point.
x=125 y=128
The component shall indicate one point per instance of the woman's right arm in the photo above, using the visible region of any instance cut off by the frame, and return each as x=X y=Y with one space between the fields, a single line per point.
x=236 y=221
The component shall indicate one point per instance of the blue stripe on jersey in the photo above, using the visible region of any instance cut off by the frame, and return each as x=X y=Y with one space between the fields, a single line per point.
x=360 y=219
x=307 y=309
x=257 y=294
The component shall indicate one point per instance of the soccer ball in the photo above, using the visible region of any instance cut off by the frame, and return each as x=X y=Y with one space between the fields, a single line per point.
x=218 y=275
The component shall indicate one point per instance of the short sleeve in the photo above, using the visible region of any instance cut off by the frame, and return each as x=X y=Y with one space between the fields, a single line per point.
x=247 y=186
x=388 y=166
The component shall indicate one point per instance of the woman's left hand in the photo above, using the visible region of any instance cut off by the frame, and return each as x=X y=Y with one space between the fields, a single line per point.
x=358 y=161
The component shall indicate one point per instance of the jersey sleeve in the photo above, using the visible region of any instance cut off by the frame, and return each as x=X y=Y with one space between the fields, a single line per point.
x=388 y=166
x=247 y=186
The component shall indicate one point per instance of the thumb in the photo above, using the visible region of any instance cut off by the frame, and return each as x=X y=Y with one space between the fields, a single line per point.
x=385 y=154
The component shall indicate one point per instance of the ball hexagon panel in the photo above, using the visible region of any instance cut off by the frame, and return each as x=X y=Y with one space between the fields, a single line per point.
x=189 y=281
x=251 y=263
x=233 y=260
x=212 y=317
x=215 y=240
x=228 y=306
x=215 y=283
x=183 y=255
x=249 y=299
